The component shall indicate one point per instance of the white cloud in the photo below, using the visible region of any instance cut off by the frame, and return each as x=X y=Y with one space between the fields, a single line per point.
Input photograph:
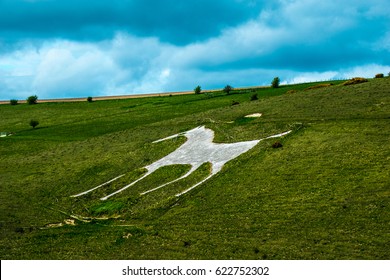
x=294 y=23
x=310 y=77
x=72 y=68
x=367 y=71
x=249 y=40
x=64 y=68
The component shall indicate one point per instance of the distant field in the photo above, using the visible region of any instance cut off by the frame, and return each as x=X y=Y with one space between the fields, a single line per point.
x=324 y=195
x=125 y=96
x=100 y=98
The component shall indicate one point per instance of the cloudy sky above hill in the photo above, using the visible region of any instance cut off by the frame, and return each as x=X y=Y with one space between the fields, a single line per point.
x=76 y=48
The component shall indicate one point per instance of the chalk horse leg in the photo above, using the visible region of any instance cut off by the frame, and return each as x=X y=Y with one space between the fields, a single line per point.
x=193 y=168
x=127 y=186
x=95 y=188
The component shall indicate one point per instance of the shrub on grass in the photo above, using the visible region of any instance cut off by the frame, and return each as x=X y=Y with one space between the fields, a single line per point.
x=277 y=144
x=13 y=102
x=380 y=75
x=19 y=230
x=235 y=103
x=198 y=90
x=254 y=97
x=33 y=99
x=34 y=123
x=89 y=99
x=355 y=81
x=275 y=82
x=227 y=89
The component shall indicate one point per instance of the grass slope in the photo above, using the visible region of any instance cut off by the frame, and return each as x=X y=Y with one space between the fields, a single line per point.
x=324 y=195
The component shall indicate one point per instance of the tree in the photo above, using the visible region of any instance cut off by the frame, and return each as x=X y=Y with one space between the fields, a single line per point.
x=13 y=102
x=198 y=90
x=275 y=82
x=33 y=99
x=228 y=89
x=89 y=99
x=34 y=123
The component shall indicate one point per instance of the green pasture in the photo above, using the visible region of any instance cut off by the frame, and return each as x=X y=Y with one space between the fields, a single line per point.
x=324 y=195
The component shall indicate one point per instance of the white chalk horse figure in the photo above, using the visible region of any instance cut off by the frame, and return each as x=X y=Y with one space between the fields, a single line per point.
x=197 y=150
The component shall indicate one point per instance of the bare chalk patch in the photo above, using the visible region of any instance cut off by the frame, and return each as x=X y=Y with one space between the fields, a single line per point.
x=5 y=134
x=255 y=115
x=69 y=222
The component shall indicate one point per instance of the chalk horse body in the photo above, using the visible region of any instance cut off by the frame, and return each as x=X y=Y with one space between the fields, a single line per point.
x=197 y=150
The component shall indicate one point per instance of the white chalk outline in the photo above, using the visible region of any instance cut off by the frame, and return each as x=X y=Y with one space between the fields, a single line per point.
x=197 y=150
x=102 y=185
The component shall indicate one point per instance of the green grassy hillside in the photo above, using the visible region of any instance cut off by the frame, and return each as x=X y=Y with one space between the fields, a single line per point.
x=324 y=195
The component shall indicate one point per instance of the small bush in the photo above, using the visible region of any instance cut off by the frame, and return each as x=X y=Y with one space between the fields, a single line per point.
x=34 y=123
x=227 y=89
x=19 y=230
x=254 y=97
x=13 y=102
x=31 y=100
x=355 y=81
x=235 y=103
x=275 y=82
x=277 y=144
x=198 y=90
x=380 y=75
x=89 y=99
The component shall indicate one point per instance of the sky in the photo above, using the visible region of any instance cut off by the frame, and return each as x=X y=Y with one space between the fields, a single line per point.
x=79 y=48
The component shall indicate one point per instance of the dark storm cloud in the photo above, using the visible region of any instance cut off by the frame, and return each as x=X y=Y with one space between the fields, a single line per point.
x=174 y=21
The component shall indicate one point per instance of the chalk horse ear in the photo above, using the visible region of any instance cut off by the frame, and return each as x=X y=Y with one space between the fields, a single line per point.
x=176 y=135
x=169 y=137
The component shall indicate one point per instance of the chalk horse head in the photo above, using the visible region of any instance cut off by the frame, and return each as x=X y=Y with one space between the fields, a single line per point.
x=197 y=150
